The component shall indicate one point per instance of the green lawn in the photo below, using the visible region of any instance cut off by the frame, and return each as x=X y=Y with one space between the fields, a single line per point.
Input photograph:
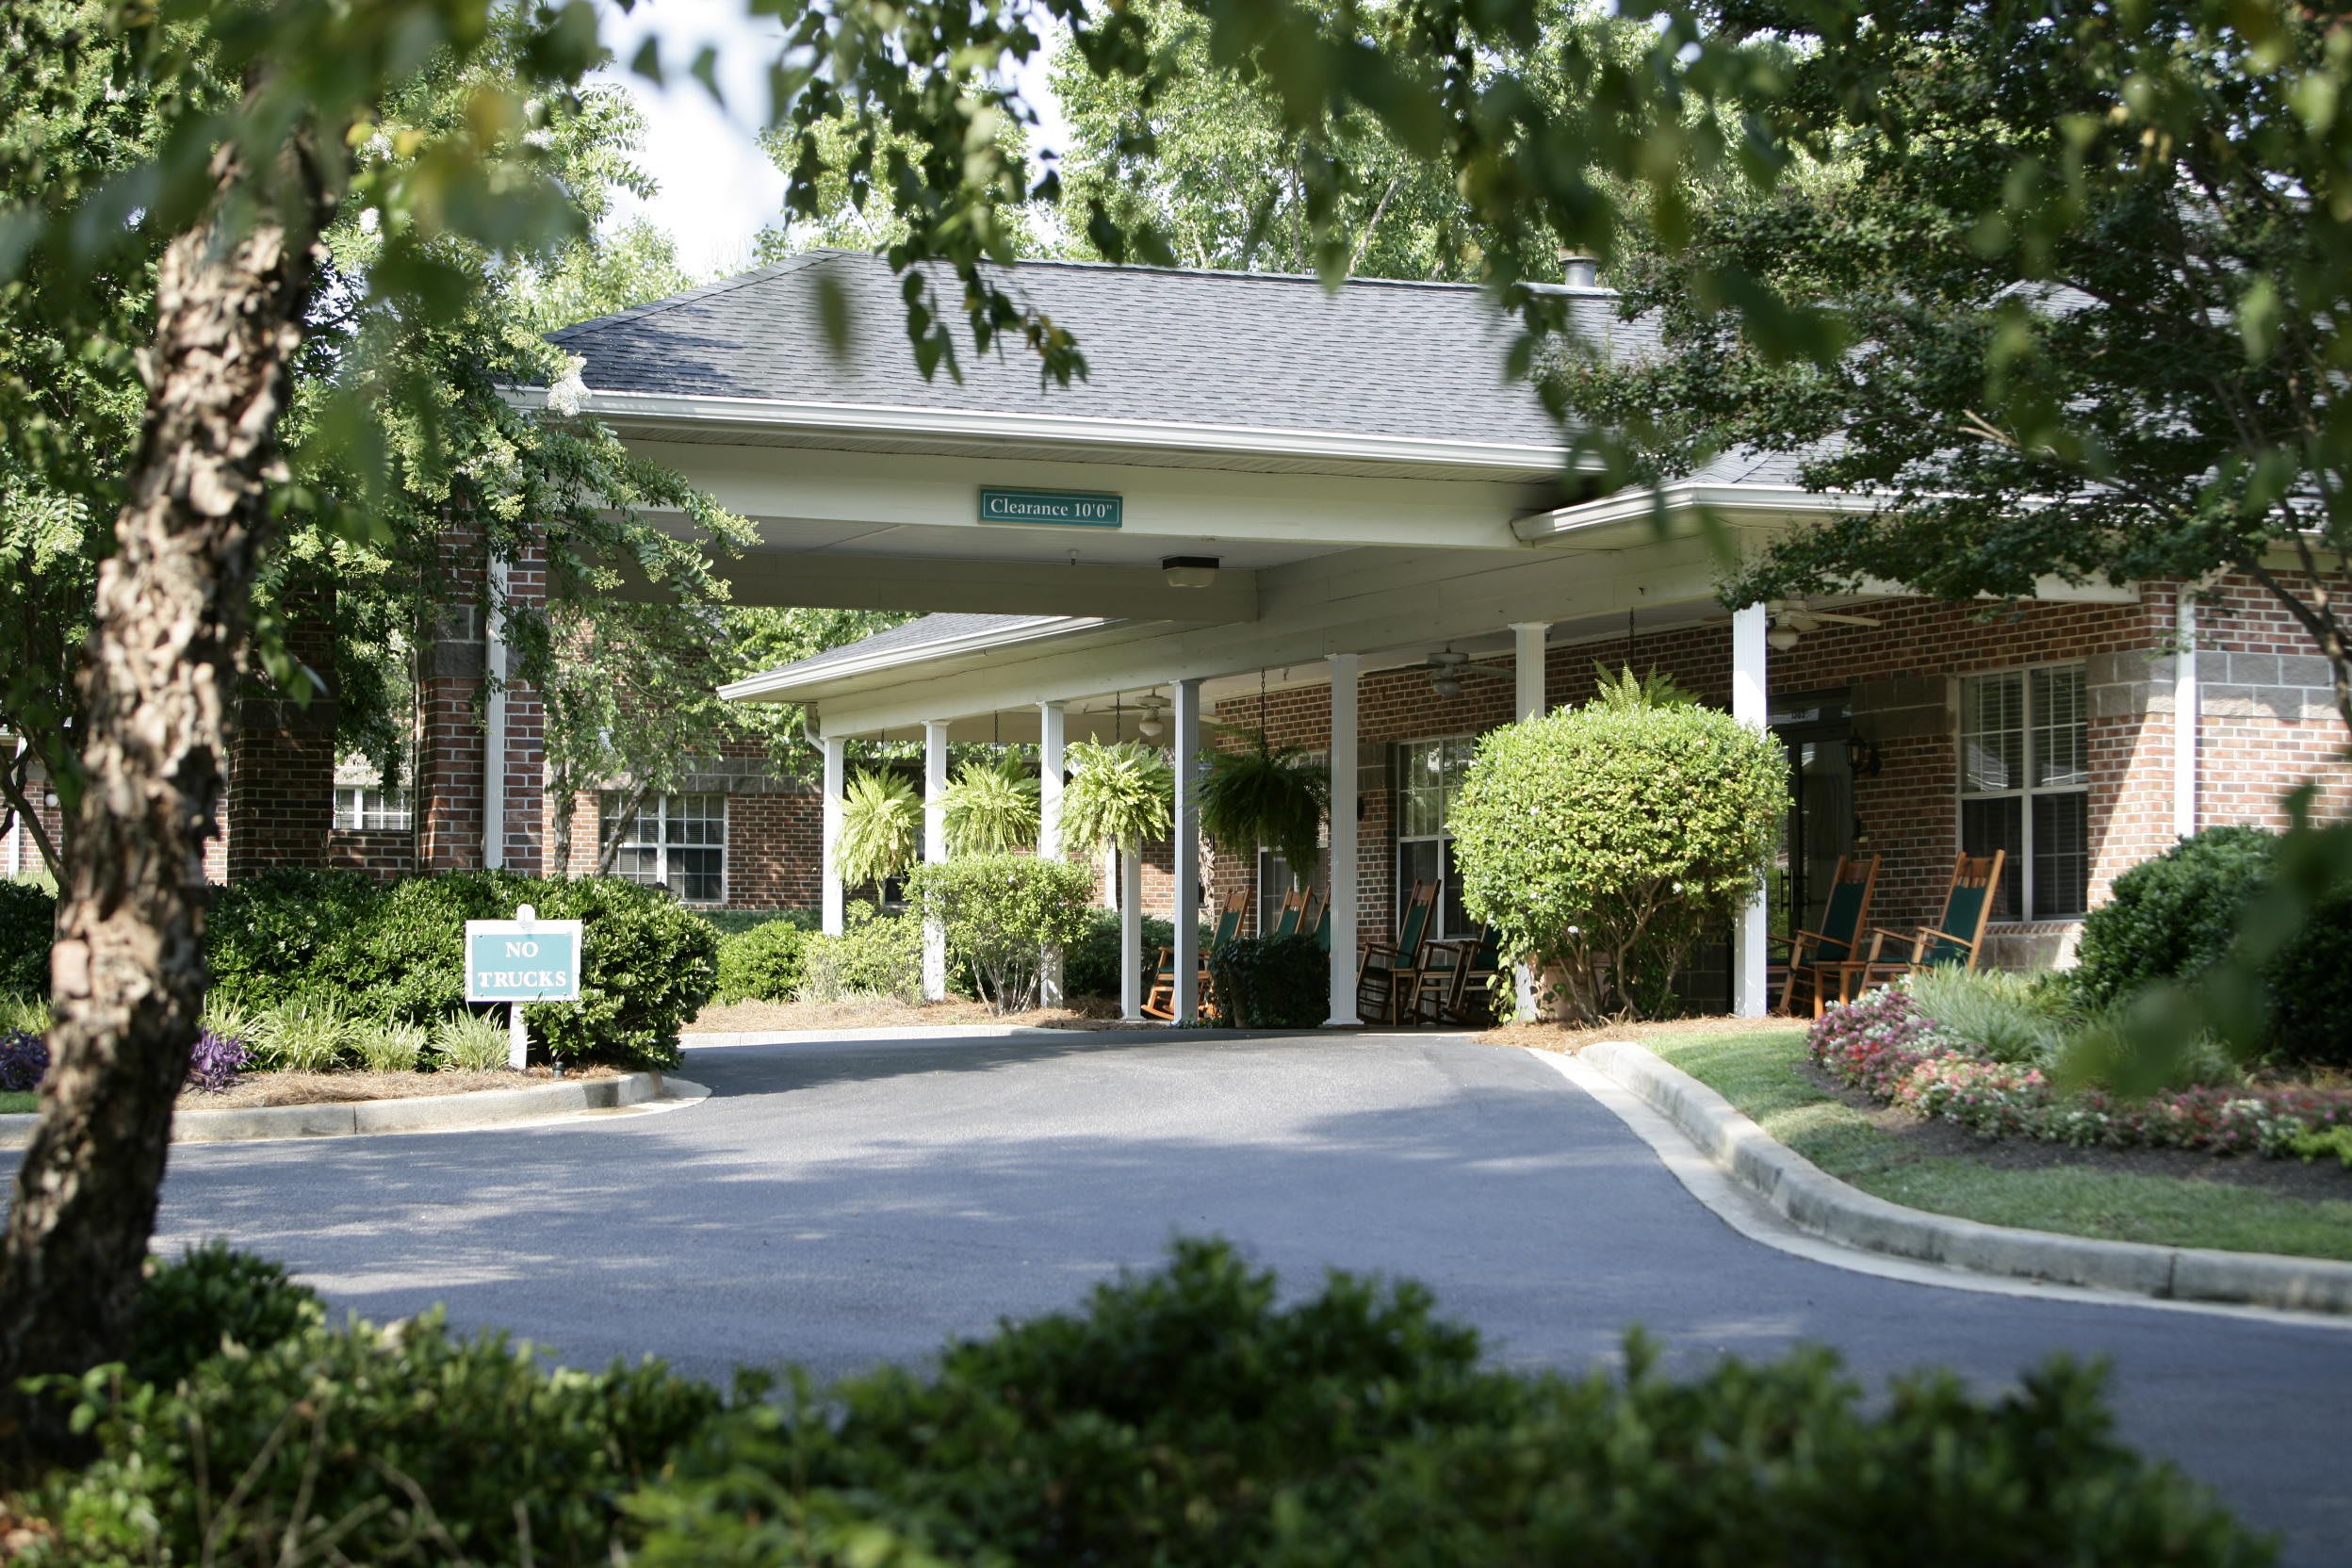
x=1757 y=1073
x=19 y=1101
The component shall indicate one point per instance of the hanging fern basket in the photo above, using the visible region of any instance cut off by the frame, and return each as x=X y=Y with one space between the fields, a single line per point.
x=1267 y=795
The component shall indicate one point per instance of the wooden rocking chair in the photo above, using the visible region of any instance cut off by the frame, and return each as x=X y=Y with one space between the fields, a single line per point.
x=1956 y=937
x=1843 y=920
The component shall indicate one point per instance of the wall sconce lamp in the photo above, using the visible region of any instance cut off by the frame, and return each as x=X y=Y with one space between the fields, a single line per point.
x=1862 y=758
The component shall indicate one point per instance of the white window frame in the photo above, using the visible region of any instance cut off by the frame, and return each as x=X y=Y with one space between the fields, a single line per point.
x=2025 y=791
x=660 y=805
x=1399 y=837
x=389 y=819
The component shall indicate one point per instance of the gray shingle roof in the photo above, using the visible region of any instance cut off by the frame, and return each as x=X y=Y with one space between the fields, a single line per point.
x=1376 y=357
x=906 y=635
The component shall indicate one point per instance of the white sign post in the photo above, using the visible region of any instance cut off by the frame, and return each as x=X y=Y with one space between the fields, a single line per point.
x=519 y=961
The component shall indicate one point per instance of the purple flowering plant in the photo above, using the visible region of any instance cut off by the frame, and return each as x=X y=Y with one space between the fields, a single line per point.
x=23 y=1061
x=217 y=1060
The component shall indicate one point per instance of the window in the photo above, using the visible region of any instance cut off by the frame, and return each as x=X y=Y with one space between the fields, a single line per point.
x=675 y=841
x=2025 y=787
x=364 y=810
x=1274 y=884
x=1429 y=774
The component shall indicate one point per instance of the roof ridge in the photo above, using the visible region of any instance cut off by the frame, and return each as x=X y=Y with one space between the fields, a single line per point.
x=692 y=296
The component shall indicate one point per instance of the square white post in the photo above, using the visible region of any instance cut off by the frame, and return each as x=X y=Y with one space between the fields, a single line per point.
x=934 y=853
x=1528 y=670
x=1343 y=871
x=1130 y=860
x=1187 y=851
x=1751 y=706
x=2186 y=701
x=1052 y=731
x=836 y=755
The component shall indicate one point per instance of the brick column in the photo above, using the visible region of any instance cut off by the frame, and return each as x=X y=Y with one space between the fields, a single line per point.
x=453 y=663
x=281 y=787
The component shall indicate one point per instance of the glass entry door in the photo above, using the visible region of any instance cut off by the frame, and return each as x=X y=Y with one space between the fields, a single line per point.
x=1819 y=826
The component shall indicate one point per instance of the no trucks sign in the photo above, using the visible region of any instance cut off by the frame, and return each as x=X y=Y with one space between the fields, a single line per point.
x=522 y=960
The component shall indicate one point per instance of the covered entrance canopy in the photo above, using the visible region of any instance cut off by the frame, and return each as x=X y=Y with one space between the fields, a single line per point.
x=1260 y=479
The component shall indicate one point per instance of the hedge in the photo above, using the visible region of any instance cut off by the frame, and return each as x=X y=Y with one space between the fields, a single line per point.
x=1180 y=1419
x=1272 y=981
x=762 y=962
x=395 y=953
x=28 y=918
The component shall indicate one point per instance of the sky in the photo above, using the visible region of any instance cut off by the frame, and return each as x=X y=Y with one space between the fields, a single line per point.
x=718 y=189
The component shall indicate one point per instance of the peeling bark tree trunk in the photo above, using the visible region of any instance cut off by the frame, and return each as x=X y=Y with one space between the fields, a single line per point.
x=172 y=611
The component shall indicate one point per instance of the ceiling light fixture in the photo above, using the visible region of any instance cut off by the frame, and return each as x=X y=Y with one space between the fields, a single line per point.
x=1149 y=727
x=1782 y=638
x=1190 y=571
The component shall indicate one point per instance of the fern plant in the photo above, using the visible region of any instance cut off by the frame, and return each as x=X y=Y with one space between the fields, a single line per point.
x=991 y=808
x=1119 y=793
x=881 y=828
x=1265 y=795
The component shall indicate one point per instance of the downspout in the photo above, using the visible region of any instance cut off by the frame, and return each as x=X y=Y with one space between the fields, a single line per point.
x=2186 y=711
x=494 y=722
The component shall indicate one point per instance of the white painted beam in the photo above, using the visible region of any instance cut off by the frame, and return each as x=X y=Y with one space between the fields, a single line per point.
x=1187 y=917
x=1342 y=853
x=934 y=853
x=835 y=581
x=1752 y=706
x=1528 y=677
x=1051 y=728
x=835 y=750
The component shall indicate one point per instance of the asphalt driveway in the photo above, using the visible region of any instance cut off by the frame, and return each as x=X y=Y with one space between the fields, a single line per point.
x=841 y=1203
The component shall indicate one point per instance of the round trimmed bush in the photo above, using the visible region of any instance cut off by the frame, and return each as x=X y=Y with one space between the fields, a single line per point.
x=761 y=964
x=2172 y=916
x=1272 y=981
x=1607 y=840
x=1090 y=964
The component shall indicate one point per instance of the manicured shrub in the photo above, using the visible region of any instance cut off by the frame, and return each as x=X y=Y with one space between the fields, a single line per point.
x=28 y=918
x=876 y=956
x=188 y=1309
x=1090 y=964
x=1003 y=916
x=2172 y=916
x=761 y=964
x=1607 y=840
x=23 y=1061
x=361 y=1445
x=1272 y=981
x=316 y=1032
x=1192 y=1418
x=396 y=954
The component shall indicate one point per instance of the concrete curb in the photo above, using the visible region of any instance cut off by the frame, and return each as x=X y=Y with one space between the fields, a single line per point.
x=1816 y=1202
x=424 y=1114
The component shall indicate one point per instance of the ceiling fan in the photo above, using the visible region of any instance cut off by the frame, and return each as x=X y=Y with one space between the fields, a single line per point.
x=1447 y=668
x=1792 y=618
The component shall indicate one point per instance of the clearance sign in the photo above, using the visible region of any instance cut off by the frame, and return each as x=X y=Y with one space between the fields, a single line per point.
x=1053 y=508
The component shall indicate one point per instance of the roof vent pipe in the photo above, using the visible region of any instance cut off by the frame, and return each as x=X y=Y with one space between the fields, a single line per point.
x=1581 y=270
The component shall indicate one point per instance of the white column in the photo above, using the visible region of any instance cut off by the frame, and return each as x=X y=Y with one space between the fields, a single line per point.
x=1130 y=860
x=1751 y=707
x=1052 y=729
x=934 y=853
x=1343 y=874
x=836 y=754
x=1187 y=850
x=16 y=825
x=1528 y=669
x=2187 y=704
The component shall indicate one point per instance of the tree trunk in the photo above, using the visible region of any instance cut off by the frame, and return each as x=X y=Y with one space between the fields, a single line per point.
x=169 y=627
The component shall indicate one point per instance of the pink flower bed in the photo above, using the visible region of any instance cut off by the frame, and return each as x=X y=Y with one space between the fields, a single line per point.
x=1883 y=1045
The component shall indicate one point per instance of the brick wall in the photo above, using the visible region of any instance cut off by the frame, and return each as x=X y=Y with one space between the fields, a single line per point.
x=381 y=853
x=280 y=802
x=451 y=742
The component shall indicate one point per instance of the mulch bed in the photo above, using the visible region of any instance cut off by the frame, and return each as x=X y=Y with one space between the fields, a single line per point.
x=2312 y=1181
x=257 y=1089
x=1571 y=1037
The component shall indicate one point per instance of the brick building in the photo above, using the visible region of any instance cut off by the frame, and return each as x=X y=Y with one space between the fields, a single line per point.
x=1327 y=507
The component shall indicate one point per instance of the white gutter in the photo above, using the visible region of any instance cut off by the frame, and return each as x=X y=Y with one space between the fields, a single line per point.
x=779 y=685
x=494 y=722
x=2187 y=702
x=691 y=409
x=1631 y=506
